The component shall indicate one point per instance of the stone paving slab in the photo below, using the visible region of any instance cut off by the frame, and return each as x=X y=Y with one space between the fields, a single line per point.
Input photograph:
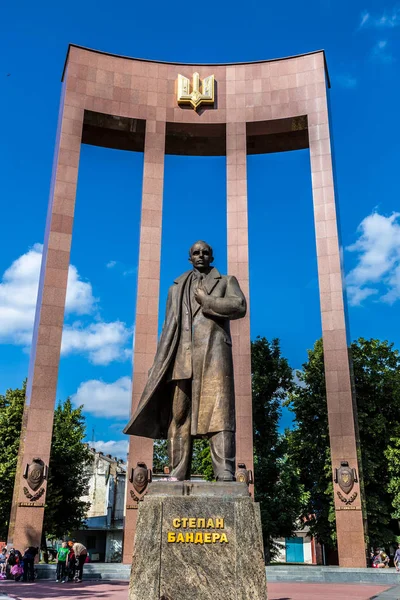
x=118 y=590
x=392 y=594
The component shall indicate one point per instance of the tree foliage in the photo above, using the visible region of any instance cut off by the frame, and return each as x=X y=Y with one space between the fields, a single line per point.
x=277 y=481
x=68 y=476
x=376 y=367
x=11 y=411
x=309 y=446
x=201 y=458
x=160 y=456
x=68 y=473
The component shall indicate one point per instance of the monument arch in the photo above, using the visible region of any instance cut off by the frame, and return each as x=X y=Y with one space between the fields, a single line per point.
x=225 y=109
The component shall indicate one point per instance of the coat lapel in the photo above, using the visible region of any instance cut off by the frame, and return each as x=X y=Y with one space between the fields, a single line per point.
x=180 y=286
x=211 y=280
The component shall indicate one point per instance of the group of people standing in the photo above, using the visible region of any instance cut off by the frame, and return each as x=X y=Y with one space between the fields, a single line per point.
x=16 y=565
x=70 y=560
x=381 y=560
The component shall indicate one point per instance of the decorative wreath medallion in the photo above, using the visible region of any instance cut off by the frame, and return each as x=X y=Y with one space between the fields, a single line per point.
x=33 y=497
x=347 y=500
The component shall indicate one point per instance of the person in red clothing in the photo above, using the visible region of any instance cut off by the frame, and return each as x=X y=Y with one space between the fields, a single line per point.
x=71 y=562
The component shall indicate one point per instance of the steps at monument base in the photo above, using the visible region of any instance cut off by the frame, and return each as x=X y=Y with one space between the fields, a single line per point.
x=275 y=573
x=91 y=571
x=315 y=574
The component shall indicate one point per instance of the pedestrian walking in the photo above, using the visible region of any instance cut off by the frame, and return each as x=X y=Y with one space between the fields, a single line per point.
x=62 y=556
x=80 y=552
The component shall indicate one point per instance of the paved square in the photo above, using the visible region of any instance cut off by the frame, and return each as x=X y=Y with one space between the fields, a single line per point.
x=118 y=590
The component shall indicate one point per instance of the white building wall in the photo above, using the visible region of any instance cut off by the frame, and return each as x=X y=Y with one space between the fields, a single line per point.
x=281 y=556
x=307 y=549
x=114 y=546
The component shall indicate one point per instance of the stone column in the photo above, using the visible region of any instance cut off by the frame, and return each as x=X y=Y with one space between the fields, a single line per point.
x=146 y=323
x=238 y=265
x=342 y=412
x=26 y=521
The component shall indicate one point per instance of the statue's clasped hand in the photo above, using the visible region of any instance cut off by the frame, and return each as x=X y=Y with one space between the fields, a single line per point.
x=200 y=294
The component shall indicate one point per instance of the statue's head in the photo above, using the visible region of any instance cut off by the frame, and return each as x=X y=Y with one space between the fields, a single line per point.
x=201 y=256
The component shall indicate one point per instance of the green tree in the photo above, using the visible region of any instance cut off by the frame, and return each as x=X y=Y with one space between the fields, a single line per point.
x=309 y=446
x=377 y=379
x=277 y=481
x=11 y=411
x=201 y=463
x=160 y=456
x=201 y=458
x=392 y=454
x=68 y=473
x=376 y=367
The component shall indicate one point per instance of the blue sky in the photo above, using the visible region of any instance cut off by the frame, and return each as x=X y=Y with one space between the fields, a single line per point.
x=362 y=43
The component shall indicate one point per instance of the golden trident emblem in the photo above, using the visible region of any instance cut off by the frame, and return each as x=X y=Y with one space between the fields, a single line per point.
x=195 y=97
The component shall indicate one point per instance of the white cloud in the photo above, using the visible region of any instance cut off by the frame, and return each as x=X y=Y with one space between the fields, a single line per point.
x=103 y=399
x=18 y=292
x=378 y=260
x=118 y=448
x=365 y=17
x=79 y=300
x=388 y=20
x=102 y=342
x=380 y=53
x=130 y=271
x=356 y=294
x=111 y=264
x=347 y=81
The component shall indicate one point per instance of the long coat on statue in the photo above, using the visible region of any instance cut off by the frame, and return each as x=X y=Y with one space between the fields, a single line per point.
x=195 y=344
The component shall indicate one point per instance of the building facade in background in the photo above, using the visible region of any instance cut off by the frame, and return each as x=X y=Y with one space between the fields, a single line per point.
x=103 y=533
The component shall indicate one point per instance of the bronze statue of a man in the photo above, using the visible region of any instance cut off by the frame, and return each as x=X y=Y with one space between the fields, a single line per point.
x=190 y=390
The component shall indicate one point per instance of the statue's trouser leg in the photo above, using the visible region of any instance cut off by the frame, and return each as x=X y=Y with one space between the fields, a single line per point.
x=179 y=435
x=223 y=446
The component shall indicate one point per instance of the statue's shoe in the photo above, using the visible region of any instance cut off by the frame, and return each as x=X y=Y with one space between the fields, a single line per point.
x=226 y=476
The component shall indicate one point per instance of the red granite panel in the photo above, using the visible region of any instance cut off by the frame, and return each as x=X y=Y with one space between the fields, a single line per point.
x=238 y=255
x=56 y=278
x=147 y=295
x=54 y=296
x=46 y=346
x=337 y=374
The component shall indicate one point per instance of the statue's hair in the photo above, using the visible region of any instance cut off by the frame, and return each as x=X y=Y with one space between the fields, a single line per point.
x=201 y=242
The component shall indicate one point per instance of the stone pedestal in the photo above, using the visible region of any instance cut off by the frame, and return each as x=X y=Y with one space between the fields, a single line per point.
x=198 y=540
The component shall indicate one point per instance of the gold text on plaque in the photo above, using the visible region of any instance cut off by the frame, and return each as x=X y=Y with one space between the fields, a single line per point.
x=198 y=93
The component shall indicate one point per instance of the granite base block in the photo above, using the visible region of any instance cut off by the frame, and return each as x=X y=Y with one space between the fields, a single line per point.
x=198 y=545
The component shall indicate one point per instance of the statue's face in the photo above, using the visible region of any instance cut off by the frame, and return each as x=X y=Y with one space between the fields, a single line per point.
x=201 y=257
